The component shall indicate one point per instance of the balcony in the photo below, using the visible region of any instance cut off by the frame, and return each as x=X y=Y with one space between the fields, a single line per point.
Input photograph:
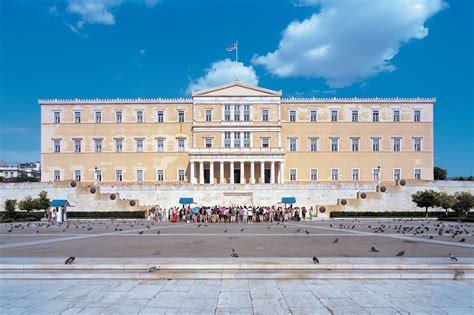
x=235 y=152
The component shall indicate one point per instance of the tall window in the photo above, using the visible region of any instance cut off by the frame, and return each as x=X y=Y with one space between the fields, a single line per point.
x=417 y=144
x=375 y=144
x=139 y=175
x=57 y=175
x=160 y=145
x=396 y=115
x=236 y=112
x=160 y=175
x=246 y=139
x=77 y=175
x=246 y=112
x=236 y=139
x=265 y=142
x=98 y=175
x=180 y=145
x=313 y=144
x=375 y=115
x=376 y=174
x=333 y=115
x=118 y=175
x=292 y=144
x=139 y=145
x=181 y=175
x=355 y=144
x=265 y=114
x=77 y=117
x=139 y=116
x=396 y=174
x=208 y=142
x=56 y=146
x=180 y=115
x=396 y=144
x=355 y=115
x=160 y=116
x=118 y=116
x=98 y=117
x=313 y=174
x=227 y=112
x=334 y=144
x=292 y=173
x=57 y=117
x=118 y=145
x=208 y=114
x=334 y=174
x=98 y=145
x=418 y=173
x=417 y=115
x=227 y=139
x=77 y=145
x=313 y=115
x=355 y=174
x=292 y=114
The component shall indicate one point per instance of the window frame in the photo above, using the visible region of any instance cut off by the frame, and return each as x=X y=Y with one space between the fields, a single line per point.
x=162 y=175
x=117 y=174
x=295 y=174
x=311 y=174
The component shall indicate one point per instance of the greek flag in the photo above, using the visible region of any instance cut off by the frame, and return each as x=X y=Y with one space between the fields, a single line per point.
x=232 y=47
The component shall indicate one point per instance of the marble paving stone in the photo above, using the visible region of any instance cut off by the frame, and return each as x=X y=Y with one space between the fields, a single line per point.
x=106 y=301
x=122 y=309
x=301 y=299
x=235 y=285
x=385 y=311
x=234 y=299
x=159 y=311
x=326 y=291
x=333 y=303
x=51 y=307
x=178 y=285
x=351 y=285
x=457 y=310
x=348 y=311
x=234 y=311
x=204 y=291
x=310 y=311
x=191 y=304
x=435 y=299
x=270 y=306
x=266 y=293
x=92 y=310
x=13 y=310
x=144 y=291
x=124 y=286
x=72 y=311
x=262 y=284
x=292 y=286
x=368 y=299
x=167 y=300
x=127 y=301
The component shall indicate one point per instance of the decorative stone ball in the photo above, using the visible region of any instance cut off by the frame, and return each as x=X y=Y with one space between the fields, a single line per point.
x=383 y=189
x=92 y=190
x=363 y=195
x=73 y=183
x=343 y=202
x=403 y=182
x=132 y=203
x=322 y=209
x=112 y=196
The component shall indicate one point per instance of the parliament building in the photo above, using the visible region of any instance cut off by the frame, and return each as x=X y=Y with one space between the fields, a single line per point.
x=236 y=134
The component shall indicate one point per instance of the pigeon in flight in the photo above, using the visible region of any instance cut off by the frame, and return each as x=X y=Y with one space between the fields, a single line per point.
x=69 y=260
x=315 y=260
x=374 y=250
x=452 y=257
x=401 y=253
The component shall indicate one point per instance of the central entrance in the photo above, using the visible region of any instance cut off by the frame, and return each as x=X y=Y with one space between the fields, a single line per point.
x=237 y=176
x=207 y=176
x=267 y=176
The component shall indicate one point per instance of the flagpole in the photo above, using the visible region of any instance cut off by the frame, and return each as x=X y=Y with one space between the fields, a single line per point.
x=236 y=51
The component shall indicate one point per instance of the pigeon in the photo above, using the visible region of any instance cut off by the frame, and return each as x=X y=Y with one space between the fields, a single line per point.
x=158 y=232
x=241 y=230
x=89 y=228
x=141 y=232
x=9 y=231
x=37 y=231
x=401 y=253
x=225 y=231
x=452 y=257
x=268 y=227
x=298 y=230
x=152 y=269
x=306 y=231
x=374 y=250
x=335 y=241
x=315 y=260
x=199 y=225
x=234 y=253
x=462 y=240
x=284 y=226
x=69 y=260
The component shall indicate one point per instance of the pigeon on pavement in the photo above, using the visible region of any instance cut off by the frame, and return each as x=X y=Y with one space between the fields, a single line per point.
x=69 y=260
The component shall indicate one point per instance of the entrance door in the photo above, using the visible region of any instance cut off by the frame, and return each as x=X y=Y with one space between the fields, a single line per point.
x=207 y=176
x=237 y=176
x=267 y=176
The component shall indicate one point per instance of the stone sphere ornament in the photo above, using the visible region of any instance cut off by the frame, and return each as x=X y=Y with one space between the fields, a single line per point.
x=403 y=182
x=363 y=195
x=112 y=196
x=73 y=183
x=92 y=190
x=132 y=203
x=343 y=202
x=322 y=209
x=383 y=189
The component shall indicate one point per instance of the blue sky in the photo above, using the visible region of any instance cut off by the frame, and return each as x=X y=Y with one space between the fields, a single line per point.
x=150 y=48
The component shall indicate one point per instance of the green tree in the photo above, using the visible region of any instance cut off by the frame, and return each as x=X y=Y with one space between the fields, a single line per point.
x=27 y=204
x=10 y=211
x=42 y=202
x=464 y=202
x=425 y=199
x=445 y=201
x=440 y=173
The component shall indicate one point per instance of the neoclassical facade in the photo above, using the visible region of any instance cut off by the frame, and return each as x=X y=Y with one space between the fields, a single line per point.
x=235 y=134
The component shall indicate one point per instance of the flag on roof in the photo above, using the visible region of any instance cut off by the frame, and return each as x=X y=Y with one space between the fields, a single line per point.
x=232 y=47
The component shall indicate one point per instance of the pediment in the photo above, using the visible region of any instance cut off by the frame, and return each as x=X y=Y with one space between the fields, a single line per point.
x=236 y=88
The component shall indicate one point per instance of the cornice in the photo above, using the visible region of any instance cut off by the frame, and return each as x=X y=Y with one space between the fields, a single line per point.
x=97 y=101
x=359 y=100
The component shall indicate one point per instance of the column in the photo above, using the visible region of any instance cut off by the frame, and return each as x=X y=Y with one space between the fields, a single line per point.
x=221 y=172
x=211 y=172
x=262 y=172
x=252 y=172
x=282 y=172
x=272 y=172
x=201 y=172
x=231 y=172
x=242 y=173
x=192 y=179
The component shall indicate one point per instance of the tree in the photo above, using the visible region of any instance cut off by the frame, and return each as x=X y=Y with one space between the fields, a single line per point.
x=425 y=199
x=10 y=211
x=464 y=202
x=445 y=201
x=42 y=202
x=27 y=204
x=440 y=173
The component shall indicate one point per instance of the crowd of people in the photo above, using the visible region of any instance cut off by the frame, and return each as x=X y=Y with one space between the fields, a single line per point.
x=235 y=214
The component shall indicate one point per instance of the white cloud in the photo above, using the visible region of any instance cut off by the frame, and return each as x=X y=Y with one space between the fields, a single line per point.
x=151 y=3
x=142 y=52
x=222 y=72
x=94 y=11
x=348 y=41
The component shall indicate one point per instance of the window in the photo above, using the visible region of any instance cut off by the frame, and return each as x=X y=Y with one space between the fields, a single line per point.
x=396 y=174
x=180 y=115
x=246 y=139
x=139 y=145
x=57 y=146
x=77 y=175
x=265 y=142
x=375 y=144
x=57 y=175
x=313 y=174
x=98 y=145
x=57 y=117
x=236 y=112
x=208 y=142
x=355 y=174
x=237 y=139
x=417 y=144
x=265 y=114
x=246 y=112
x=98 y=117
x=418 y=173
x=160 y=116
x=181 y=175
x=396 y=115
x=396 y=144
x=160 y=175
x=313 y=144
x=118 y=116
x=139 y=175
x=417 y=115
x=160 y=145
x=227 y=112
x=292 y=114
x=77 y=145
x=313 y=115
x=208 y=114
x=139 y=116
x=334 y=174
x=227 y=139
x=333 y=115
x=118 y=175
x=375 y=115
x=118 y=145
x=376 y=173
x=77 y=117
x=180 y=145
x=292 y=173
x=292 y=144
x=355 y=144
x=355 y=115
x=98 y=175
x=334 y=144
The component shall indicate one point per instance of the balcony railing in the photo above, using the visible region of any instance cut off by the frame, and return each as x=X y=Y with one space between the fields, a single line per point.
x=275 y=150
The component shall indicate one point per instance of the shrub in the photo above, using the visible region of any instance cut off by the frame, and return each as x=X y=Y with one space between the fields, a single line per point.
x=106 y=214
x=10 y=211
x=425 y=199
x=396 y=214
x=439 y=173
x=22 y=216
